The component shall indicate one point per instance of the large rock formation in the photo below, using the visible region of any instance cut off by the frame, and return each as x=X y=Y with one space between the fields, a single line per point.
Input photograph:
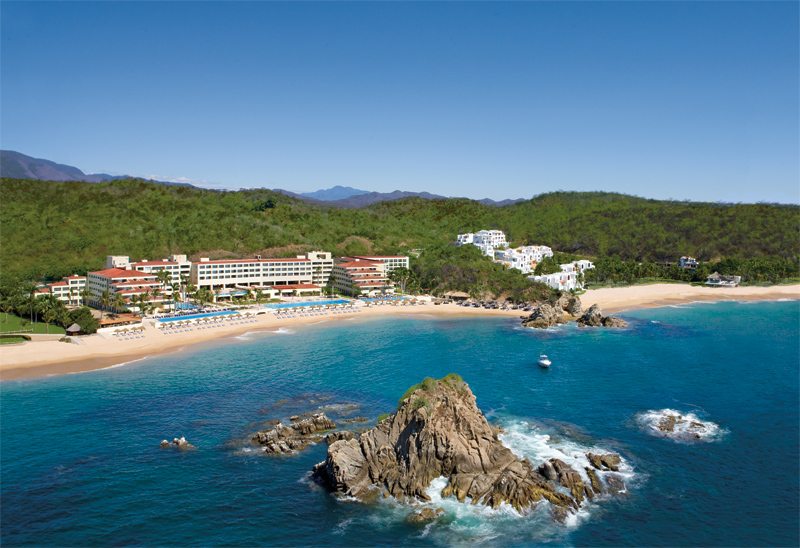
x=564 y=309
x=594 y=318
x=438 y=431
x=296 y=436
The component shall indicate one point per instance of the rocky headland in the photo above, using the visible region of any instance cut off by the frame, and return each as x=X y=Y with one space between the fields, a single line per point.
x=439 y=432
x=594 y=318
x=565 y=309
x=568 y=308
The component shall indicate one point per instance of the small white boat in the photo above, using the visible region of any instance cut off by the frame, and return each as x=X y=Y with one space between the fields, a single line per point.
x=544 y=361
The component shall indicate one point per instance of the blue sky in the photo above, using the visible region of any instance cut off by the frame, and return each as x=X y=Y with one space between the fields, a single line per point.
x=658 y=99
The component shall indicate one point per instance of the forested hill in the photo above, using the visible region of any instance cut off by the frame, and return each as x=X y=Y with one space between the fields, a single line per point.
x=50 y=229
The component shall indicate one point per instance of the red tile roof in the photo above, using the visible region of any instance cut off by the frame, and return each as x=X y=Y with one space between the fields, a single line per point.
x=378 y=257
x=121 y=273
x=359 y=264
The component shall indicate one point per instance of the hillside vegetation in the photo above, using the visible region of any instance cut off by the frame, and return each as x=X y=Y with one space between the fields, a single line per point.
x=50 y=229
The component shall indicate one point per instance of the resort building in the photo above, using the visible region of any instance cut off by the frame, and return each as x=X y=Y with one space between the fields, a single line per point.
x=69 y=290
x=523 y=258
x=302 y=275
x=486 y=240
x=569 y=279
x=127 y=283
x=359 y=277
x=178 y=266
x=719 y=280
x=321 y=266
x=390 y=262
x=689 y=263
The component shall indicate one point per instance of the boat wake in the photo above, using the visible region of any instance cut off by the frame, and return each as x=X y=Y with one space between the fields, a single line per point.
x=677 y=426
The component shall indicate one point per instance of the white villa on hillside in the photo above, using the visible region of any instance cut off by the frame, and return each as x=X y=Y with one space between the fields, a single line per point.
x=523 y=258
x=486 y=240
x=689 y=263
x=569 y=279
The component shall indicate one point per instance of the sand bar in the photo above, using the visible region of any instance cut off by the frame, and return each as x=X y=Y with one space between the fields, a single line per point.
x=41 y=359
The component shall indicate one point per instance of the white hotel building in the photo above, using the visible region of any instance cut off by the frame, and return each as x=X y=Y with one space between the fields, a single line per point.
x=302 y=275
x=125 y=282
x=390 y=262
x=69 y=290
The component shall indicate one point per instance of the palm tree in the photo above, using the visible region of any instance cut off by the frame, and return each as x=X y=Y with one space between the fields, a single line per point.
x=165 y=278
x=85 y=294
x=48 y=307
x=105 y=301
x=118 y=302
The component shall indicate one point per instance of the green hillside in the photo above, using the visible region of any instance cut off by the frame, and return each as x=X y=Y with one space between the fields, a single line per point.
x=51 y=229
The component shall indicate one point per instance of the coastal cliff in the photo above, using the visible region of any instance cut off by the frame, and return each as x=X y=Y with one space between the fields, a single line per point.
x=439 y=432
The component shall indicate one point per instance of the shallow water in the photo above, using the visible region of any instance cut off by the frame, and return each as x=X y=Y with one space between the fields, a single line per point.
x=81 y=462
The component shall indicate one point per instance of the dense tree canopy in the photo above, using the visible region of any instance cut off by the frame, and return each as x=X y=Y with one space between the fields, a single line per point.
x=53 y=229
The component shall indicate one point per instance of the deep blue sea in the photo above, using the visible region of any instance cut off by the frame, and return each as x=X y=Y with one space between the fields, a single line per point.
x=81 y=462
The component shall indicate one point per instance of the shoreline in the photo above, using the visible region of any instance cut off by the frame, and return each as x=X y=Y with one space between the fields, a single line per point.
x=94 y=352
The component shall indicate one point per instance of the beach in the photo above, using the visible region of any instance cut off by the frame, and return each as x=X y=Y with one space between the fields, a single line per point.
x=42 y=359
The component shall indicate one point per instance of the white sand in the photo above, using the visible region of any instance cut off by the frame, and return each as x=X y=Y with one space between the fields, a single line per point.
x=38 y=359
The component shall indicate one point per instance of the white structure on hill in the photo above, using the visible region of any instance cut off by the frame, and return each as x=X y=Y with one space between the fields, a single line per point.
x=523 y=258
x=486 y=240
x=569 y=279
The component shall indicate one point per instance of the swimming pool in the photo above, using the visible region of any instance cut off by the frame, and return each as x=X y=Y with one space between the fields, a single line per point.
x=197 y=316
x=384 y=298
x=307 y=303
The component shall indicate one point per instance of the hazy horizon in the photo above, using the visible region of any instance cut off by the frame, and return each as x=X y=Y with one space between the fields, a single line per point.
x=690 y=101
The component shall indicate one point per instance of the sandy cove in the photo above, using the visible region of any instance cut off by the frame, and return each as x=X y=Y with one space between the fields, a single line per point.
x=41 y=359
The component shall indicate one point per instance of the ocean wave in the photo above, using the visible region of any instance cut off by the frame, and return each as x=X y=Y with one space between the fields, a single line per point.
x=284 y=331
x=115 y=366
x=677 y=426
x=464 y=522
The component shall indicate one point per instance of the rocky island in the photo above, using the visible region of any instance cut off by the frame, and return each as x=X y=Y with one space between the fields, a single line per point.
x=438 y=431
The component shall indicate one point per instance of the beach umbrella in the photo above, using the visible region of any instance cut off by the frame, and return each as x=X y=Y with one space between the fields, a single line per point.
x=74 y=328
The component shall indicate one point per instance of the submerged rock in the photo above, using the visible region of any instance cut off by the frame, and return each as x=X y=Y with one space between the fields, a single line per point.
x=426 y=515
x=178 y=443
x=668 y=423
x=299 y=434
x=609 y=461
x=438 y=431
x=594 y=318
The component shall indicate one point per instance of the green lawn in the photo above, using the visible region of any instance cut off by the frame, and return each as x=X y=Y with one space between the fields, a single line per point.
x=10 y=323
x=12 y=340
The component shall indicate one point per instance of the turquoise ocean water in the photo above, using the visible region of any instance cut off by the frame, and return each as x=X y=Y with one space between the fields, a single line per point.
x=81 y=462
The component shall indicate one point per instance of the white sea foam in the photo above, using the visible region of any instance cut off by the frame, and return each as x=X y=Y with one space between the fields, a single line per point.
x=687 y=428
x=284 y=331
x=463 y=522
x=115 y=366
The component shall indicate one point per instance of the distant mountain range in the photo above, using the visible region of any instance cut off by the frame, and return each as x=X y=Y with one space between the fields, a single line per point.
x=354 y=198
x=16 y=165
